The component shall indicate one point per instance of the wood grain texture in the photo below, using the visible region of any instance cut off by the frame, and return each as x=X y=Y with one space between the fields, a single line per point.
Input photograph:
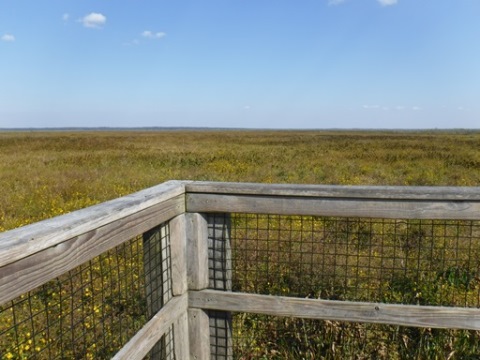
x=376 y=208
x=197 y=251
x=143 y=341
x=181 y=339
x=22 y=242
x=337 y=191
x=32 y=271
x=199 y=334
x=404 y=315
x=178 y=246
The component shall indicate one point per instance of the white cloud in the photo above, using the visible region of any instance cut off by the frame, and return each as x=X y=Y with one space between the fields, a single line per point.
x=416 y=108
x=387 y=2
x=335 y=2
x=65 y=17
x=8 y=38
x=93 y=20
x=151 y=35
x=368 y=107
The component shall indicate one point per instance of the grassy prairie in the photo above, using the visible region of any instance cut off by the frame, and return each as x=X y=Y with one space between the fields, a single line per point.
x=44 y=174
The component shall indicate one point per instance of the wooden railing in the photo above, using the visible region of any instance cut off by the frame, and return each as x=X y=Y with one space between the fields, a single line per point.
x=192 y=313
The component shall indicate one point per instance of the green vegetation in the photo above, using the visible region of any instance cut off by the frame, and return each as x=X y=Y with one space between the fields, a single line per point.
x=44 y=174
x=47 y=174
x=88 y=313
x=428 y=262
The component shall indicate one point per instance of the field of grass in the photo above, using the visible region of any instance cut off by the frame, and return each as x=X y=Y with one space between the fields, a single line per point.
x=44 y=174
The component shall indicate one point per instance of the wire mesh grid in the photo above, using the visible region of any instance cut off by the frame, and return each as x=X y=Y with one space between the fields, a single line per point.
x=426 y=262
x=89 y=312
x=219 y=263
x=157 y=260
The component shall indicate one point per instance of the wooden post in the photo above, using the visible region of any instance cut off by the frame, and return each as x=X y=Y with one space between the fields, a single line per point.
x=156 y=250
x=199 y=334
x=178 y=245
x=181 y=338
x=197 y=278
x=220 y=278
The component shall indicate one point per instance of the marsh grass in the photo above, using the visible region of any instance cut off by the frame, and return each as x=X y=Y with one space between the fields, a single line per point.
x=44 y=174
x=86 y=313
x=351 y=259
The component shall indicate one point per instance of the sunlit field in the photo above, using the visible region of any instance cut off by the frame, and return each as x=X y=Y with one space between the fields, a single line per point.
x=44 y=174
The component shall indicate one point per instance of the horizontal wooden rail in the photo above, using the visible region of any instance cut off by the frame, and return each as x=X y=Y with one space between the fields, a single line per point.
x=73 y=242
x=25 y=241
x=445 y=203
x=442 y=193
x=276 y=205
x=140 y=344
x=391 y=314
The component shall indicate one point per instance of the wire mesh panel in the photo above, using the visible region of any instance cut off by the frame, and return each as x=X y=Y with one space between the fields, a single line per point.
x=158 y=275
x=220 y=264
x=89 y=312
x=427 y=262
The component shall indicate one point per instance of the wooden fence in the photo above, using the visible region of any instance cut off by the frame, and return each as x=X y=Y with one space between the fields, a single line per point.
x=190 y=289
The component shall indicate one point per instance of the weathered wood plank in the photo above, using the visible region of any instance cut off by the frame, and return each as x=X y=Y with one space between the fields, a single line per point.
x=178 y=245
x=181 y=339
x=30 y=272
x=337 y=191
x=22 y=242
x=143 y=341
x=404 y=315
x=197 y=277
x=199 y=334
x=197 y=251
x=397 y=209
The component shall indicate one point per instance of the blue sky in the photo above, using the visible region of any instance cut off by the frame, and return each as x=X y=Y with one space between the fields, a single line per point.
x=240 y=63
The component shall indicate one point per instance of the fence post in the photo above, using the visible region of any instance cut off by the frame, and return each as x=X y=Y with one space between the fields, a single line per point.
x=156 y=258
x=220 y=278
x=197 y=277
x=178 y=244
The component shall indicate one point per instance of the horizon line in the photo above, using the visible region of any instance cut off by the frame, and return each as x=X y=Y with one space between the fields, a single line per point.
x=207 y=128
